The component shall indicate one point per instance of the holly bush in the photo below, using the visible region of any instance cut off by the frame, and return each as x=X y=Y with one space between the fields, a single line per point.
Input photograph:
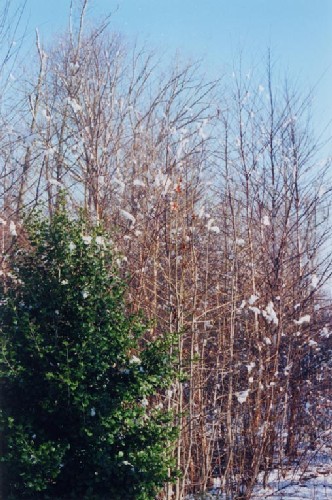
x=78 y=375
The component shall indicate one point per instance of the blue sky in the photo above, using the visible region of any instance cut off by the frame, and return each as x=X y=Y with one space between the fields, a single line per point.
x=299 y=33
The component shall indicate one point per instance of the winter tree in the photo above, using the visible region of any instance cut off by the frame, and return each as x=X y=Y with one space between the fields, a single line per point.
x=78 y=373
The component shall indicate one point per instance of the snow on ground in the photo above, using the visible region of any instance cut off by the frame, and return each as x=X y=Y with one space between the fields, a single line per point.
x=312 y=479
x=311 y=486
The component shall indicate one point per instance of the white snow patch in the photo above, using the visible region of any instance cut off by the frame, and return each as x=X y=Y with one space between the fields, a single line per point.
x=251 y=366
x=76 y=107
x=254 y=309
x=100 y=240
x=87 y=240
x=144 y=402
x=54 y=182
x=270 y=315
x=138 y=183
x=242 y=396
x=325 y=333
x=266 y=220
x=252 y=299
x=312 y=483
x=72 y=246
x=302 y=319
x=128 y=216
x=12 y=228
x=134 y=360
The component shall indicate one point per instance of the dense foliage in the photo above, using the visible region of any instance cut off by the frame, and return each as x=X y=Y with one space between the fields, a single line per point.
x=78 y=374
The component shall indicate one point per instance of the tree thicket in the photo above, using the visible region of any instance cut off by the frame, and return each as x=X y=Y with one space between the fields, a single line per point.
x=218 y=205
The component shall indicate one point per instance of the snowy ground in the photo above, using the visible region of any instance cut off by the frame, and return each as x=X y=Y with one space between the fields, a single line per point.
x=311 y=479
x=315 y=486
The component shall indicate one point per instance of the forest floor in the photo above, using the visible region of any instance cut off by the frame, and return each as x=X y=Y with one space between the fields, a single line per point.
x=310 y=479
